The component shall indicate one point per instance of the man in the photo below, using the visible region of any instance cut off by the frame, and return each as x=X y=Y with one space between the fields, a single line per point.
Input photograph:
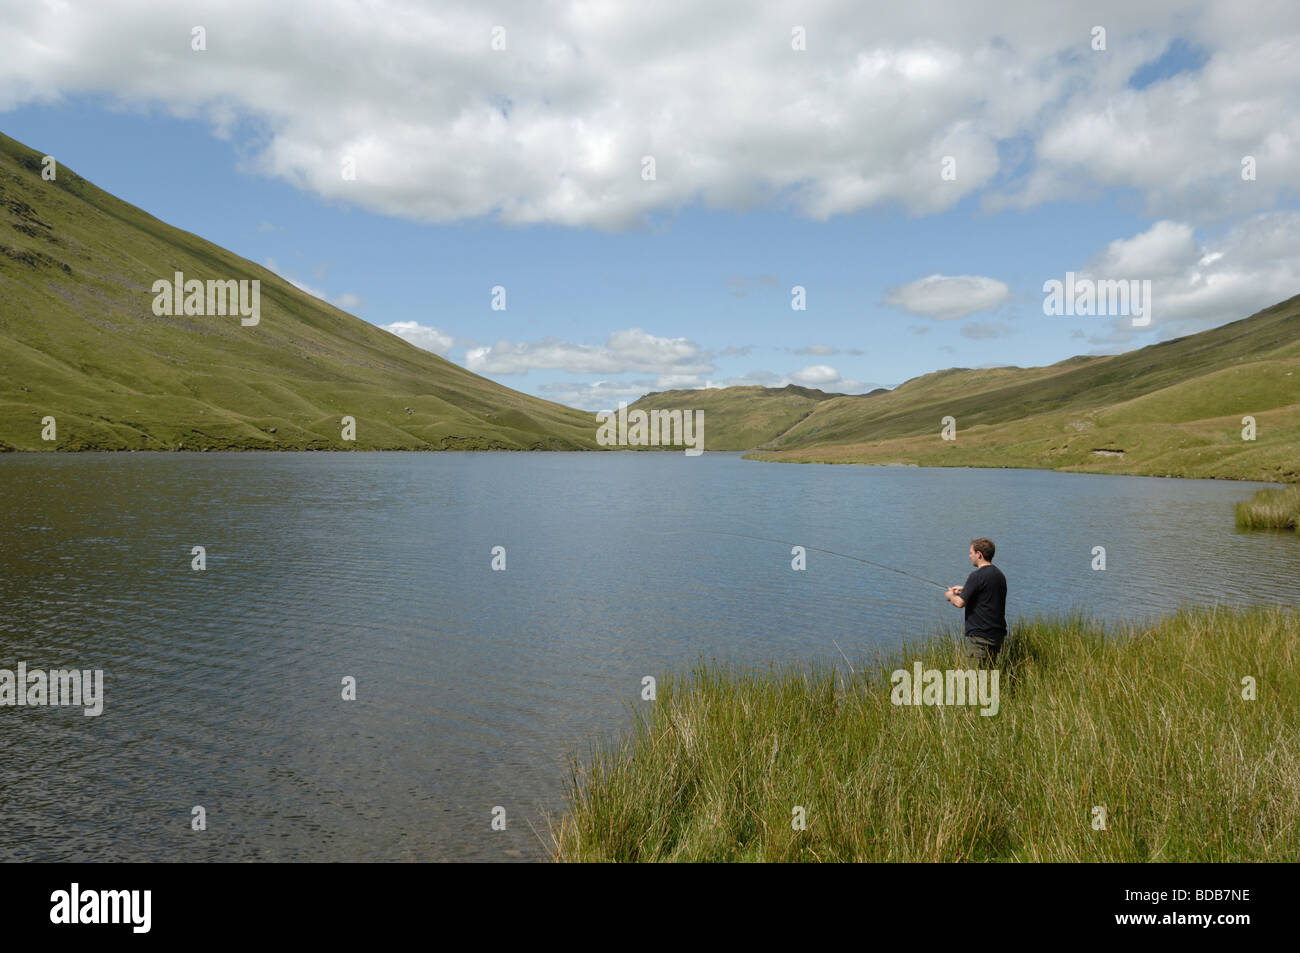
x=984 y=597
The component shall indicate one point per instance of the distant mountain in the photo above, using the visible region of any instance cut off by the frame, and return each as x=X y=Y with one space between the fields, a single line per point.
x=80 y=341
x=740 y=418
x=1173 y=408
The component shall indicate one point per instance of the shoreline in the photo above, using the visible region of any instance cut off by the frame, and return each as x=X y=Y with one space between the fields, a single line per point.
x=749 y=455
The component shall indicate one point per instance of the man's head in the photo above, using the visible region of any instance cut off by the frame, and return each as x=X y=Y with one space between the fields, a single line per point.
x=981 y=551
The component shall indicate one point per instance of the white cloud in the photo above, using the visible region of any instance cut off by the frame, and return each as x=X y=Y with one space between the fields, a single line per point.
x=628 y=350
x=430 y=338
x=816 y=375
x=1197 y=285
x=1162 y=250
x=946 y=297
x=553 y=128
x=1180 y=142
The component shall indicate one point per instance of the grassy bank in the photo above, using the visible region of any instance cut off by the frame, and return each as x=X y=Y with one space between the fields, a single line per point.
x=1147 y=721
x=1271 y=509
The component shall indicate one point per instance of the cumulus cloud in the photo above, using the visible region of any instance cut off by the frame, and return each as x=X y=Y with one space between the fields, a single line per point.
x=944 y=297
x=1162 y=250
x=628 y=350
x=553 y=128
x=816 y=375
x=1197 y=285
x=422 y=335
x=1180 y=142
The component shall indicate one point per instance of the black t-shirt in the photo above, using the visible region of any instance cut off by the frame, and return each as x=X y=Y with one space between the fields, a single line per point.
x=985 y=595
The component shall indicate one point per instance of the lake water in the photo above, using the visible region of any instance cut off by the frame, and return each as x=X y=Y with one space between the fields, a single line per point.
x=474 y=686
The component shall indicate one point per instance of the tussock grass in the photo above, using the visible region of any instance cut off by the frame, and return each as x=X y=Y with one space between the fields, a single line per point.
x=1271 y=509
x=1146 y=721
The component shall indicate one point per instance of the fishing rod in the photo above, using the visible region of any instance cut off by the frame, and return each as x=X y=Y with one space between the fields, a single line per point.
x=830 y=552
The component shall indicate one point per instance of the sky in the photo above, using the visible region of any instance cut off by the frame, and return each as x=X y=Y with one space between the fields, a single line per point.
x=919 y=173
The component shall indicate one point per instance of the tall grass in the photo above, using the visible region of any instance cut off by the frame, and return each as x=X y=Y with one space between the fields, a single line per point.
x=1146 y=722
x=1271 y=509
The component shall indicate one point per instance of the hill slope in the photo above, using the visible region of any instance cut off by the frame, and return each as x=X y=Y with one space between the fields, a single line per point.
x=739 y=418
x=80 y=342
x=1175 y=408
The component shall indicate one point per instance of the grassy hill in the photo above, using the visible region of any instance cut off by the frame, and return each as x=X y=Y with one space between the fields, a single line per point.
x=739 y=418
x=1173 y=408
x=79 y=342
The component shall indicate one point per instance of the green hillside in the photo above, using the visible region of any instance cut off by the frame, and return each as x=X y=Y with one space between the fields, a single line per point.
x=80 y=342
x=1173 y=408
x=1001 y=395
x=739 y=418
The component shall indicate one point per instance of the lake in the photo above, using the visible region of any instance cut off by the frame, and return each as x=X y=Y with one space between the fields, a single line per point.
x=474 y=687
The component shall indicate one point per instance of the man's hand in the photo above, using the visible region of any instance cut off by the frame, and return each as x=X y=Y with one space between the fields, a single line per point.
x=952 y=594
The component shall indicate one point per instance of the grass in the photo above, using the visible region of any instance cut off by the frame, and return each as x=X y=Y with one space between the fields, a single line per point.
x=1271 y=509
x=1146 y=721
x=1107 y=441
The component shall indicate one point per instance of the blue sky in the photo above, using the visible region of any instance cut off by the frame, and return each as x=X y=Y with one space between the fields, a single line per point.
x=704 y=274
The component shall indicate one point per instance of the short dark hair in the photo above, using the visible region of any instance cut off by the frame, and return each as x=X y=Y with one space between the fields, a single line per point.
x=984 y=547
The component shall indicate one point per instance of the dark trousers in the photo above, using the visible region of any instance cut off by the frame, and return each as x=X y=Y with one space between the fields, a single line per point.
x=982 y=651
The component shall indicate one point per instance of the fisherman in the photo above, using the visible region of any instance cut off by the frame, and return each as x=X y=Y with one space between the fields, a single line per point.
x=984 y=597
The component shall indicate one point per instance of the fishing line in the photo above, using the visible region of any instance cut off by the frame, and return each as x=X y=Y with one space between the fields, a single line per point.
x=829 y=552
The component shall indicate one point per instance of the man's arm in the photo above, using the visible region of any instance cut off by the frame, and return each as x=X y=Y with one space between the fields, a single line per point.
x=961 y=595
